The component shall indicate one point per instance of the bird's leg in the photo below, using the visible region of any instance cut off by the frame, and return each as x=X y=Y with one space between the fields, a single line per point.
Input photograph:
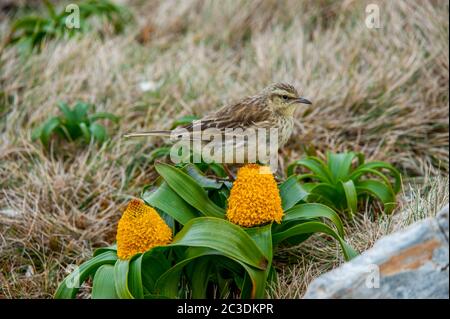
x=228 y=171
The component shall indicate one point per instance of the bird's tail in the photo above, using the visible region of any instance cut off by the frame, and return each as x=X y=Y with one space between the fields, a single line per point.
x=149 y=133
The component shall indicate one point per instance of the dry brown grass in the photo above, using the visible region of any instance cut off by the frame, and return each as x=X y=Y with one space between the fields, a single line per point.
x=380 y=91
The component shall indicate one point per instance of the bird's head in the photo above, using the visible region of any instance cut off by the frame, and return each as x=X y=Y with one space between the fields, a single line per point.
x=283 y=98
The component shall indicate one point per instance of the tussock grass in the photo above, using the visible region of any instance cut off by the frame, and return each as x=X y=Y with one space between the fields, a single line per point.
x=380 y=91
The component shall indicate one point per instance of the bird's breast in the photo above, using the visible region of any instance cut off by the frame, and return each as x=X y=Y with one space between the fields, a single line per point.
x=285 y=127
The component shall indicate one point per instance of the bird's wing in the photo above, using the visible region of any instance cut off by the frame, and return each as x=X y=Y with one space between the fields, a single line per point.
x=248 y=113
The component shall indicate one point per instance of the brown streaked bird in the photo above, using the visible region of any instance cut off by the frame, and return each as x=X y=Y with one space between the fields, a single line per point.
x=272 y=108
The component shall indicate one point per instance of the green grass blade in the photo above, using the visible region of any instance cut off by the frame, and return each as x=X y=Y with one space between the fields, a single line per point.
x=219 y=234
x=103 y=286
x=165 y=199
x=315 y=227
x=70 y=285
x=291 y=192
x=188 y=189
x=314 y=210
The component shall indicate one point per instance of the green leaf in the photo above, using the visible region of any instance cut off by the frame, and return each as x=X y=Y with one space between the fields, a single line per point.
x=103 y=286
x=327 y=193
x=200 y=178
x=86 y=132
x=70 y=285
x=36 y=133
x=379 y=165
x=98 y=131
x=80 y=111
x=314 y=210
x=263 y=238
x=104 y=116
x=167 y=283
x=186 y=187
x=351 y=196
x=314 y=227
x=48 y=129
x=154 y=263
x=184 y=121
x=315 y=165
x=339 y=165
x=158 y=153
x=135 y=277
x=199 y=278
x=291 y=192
x=165 y=199
x=380 y=191
x=223 y=236
x=121 y=279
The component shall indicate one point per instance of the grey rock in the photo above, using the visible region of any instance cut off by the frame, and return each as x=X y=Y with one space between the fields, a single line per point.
x=412 y=263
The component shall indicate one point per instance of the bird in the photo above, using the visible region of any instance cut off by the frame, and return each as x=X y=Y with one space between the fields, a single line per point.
x=272 y=108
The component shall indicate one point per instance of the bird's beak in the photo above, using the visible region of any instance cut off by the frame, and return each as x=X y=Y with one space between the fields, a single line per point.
x=302 y=100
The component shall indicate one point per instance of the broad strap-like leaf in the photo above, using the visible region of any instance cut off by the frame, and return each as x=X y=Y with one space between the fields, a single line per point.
x=263 y=238
x=315 y=165
x=103 y=116
x=188 y=189
x=154 y=264
x=200 y=178
x=314 y=210
x=291 y=192
x=121 y=269
x=380 y=191
x=70 y=285
x=135 y=277
x=98 y=132
x=375 y=166
x=223 y=236
x=47 y=130
x=164 y=198
x=103 y=286
x=184 y=121
x=351 y=196
x=339 y=165
x=85 y=131
x=315 y=227
x=167 y=283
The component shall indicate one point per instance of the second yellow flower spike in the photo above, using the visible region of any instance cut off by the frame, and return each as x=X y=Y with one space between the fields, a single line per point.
x=140 y=229
x=254 y=198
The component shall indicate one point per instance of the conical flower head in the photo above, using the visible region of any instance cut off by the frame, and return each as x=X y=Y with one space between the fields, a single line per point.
x=254 y=198
x=140 y=228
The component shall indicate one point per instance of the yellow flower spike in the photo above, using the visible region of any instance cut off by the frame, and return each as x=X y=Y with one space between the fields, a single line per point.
x=140 y=228
x=254 y=198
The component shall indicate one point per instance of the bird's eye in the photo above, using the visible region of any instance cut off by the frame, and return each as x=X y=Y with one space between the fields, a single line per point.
x=285 y=97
